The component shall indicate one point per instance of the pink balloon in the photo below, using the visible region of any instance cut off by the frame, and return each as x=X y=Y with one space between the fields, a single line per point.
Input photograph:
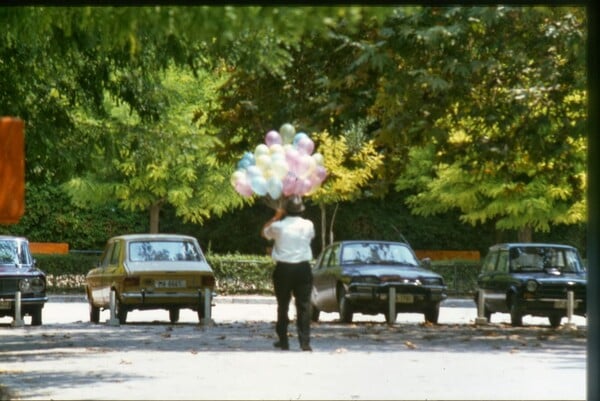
x=302 y=186
x=273 y=138
x=243 y=188
x=321 y=172
x=288 y=185
x=305 y=145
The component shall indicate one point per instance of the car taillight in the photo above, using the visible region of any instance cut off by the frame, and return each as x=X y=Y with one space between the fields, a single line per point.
x=208 y=281
x=131 y=282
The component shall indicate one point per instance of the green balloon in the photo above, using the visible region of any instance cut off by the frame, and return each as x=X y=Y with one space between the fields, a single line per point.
x=287 y=132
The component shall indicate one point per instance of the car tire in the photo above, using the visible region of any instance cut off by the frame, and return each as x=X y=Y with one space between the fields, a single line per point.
x=174 y=315
x=555 y=320
x=36 y=317
x=432 y=314
x=94 y=313
x=120 y=311
x=344 y=307
x=314 y=313
x=516 y=316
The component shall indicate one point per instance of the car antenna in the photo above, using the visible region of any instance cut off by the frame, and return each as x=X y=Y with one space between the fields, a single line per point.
x=400 y=234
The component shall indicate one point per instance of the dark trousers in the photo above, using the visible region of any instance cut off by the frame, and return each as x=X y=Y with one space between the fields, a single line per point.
x=296 y=279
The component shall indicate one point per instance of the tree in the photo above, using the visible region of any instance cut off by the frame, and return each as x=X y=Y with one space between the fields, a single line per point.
x=350 y=161
x=512 y=148
x=169 y=161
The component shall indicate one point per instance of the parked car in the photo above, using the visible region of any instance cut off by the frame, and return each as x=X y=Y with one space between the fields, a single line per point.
x=18 y=272
x=356 y=276
x=150 y=271
x=532 y=279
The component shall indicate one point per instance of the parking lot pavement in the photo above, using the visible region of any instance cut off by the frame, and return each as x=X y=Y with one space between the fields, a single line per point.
x=149 y=358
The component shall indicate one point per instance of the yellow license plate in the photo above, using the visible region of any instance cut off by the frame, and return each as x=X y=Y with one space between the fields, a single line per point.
x=5 y=304
x=405 y=298
x=169 y=284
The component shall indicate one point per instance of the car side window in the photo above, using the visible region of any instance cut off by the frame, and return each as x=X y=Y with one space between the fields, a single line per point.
x=114 y=257
x=322 y=262
x=489 y=263
x=107 y=255
x=334 y=256
x=502 y=265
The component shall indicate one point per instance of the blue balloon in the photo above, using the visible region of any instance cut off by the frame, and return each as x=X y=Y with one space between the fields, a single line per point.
x=246 y=161
x=298 y=137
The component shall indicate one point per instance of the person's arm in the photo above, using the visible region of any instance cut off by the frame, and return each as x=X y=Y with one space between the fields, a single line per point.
x=279 y=213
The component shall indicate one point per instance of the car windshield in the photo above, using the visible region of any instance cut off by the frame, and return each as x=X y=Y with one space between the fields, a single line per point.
x=378 y=253
x=11 y=253
x=544 y=258
x=150 y=251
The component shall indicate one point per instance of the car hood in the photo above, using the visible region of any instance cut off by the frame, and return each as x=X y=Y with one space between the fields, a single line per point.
x=543 y=277
x=12 y=270
x=408 y=272
x=146 y=267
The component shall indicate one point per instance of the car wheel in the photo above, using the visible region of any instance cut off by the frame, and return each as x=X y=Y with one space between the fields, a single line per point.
x=314 y=313
x=487 y=314
x=344 y=307
x=94 y=313
x=432 y=314
x=36 y=317
x=120 y=311
x=516 y=316
x=555 y=320
x=174 y=315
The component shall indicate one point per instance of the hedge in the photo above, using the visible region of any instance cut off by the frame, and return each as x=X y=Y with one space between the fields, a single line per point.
x=235 y=273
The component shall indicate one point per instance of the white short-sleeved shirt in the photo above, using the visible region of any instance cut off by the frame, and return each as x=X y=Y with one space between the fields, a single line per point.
x=292 y=236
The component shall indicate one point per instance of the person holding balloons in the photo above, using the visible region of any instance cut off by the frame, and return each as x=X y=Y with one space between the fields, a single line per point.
x=292 y=235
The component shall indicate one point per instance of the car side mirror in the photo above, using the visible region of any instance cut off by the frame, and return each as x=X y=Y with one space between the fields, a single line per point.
x=426 y=262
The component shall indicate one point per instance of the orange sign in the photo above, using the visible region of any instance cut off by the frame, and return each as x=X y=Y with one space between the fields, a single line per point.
x=12 y=170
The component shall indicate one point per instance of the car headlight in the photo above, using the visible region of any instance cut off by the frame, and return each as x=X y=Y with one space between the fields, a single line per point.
x=37 y=284
x=531 y=285
x=432 y=281
x=25 y=286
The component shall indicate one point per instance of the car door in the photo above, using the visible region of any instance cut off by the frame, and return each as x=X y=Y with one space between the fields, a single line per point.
x=100 y=278
x=496 y=279
x=324 y=279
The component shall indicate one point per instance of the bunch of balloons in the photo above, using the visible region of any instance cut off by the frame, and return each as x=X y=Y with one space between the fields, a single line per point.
x=283 y=166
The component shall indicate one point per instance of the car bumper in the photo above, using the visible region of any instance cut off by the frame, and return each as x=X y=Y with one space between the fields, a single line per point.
x=547 y=306
x=152 y=299
x=407 y=297
x=7 y=305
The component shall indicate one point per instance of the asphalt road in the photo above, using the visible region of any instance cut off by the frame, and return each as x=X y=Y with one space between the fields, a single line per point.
x=149 y=358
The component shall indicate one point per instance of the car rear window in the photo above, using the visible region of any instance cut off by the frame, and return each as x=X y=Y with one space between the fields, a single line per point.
x=174 y=251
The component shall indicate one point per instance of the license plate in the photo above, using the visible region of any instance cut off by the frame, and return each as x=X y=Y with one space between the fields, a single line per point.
x=5 y=304
x=404 y=298
x=169 y=284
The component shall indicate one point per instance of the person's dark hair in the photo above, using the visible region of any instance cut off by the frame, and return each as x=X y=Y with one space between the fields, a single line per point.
x=294 y=206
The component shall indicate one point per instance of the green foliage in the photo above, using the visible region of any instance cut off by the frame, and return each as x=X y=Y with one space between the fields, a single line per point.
x=242 y=274
x=51 y=217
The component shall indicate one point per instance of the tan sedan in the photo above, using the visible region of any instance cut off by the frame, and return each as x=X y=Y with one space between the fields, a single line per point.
x=150 y=271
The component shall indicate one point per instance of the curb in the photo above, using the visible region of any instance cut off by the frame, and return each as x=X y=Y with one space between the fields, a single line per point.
x=257 y=299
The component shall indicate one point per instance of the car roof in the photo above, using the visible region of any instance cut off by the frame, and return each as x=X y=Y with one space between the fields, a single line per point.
x=508 y=245
x=134 y=237
x=369 y=241
x=12 y=237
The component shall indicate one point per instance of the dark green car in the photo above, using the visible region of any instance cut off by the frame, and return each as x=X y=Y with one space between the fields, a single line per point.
x=532 y=279
x=18 y=273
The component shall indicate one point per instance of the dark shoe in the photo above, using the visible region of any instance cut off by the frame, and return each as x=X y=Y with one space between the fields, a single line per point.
x=281 y=344
x=306 y=347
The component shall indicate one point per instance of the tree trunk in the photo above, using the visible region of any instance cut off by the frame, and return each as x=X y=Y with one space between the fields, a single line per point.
x=323 y=225
x=154 y=216
x=331 y=239
x=525 y=234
